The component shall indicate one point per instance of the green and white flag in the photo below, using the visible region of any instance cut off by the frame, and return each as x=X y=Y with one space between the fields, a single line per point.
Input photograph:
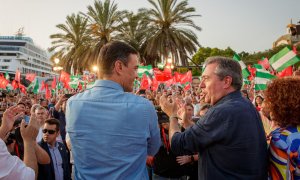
x=245 y=71
x=283 y=59
x=31 y=85
x=262 y=77
x=74 y=80
x=246 y=81
x=36 y=87
x=6 y=75
x=148 y=70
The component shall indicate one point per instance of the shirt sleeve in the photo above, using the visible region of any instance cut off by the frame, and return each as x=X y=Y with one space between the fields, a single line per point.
x=154 y=141
x=209 y=129
x=11 y=167
x=55 y=113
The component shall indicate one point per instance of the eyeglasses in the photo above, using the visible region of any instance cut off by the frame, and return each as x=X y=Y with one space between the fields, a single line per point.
x=49 y=131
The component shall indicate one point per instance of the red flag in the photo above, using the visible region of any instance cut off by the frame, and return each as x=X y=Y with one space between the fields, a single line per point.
x=3 y=82
x=187 y=86
x=64 y=77
x=186 y=78
x=251 y=70
x=53 y=84
x=67 y=85
x=79 y=86
x=48 y=93
x=43 y=85
x=22 y=88
x=177 y=77
x=295 y=49
x=161 y=75
x=18 y=75
x=14 y=84
x=265 y=63
x=286 y=72
x=169 y=82
x=155 y=84
x=145 y=82
x=183 y=78
x=30 y=77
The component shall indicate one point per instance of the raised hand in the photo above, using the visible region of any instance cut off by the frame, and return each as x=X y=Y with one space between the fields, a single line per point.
x=170 y=108
x=30 y=131
x=9 y=117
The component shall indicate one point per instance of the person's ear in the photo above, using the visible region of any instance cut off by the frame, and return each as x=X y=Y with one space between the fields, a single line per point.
x=227 y=81
x=118 y=67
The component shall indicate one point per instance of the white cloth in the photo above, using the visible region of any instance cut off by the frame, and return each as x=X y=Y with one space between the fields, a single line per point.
x=11 y=167
x=40 y=135
x=196 y=108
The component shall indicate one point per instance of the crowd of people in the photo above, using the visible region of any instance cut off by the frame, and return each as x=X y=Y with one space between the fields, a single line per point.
x=221 y=129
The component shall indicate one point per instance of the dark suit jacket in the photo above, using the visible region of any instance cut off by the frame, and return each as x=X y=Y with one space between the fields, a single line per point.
x=46 y=171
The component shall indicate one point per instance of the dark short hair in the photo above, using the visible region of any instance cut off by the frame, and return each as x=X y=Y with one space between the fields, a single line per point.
x=53 y=121
x=227 y=67
x=112 y=52
x=258 y=96
x=162 y=117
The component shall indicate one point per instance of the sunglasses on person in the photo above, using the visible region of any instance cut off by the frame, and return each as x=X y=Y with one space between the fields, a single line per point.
x=49 y=131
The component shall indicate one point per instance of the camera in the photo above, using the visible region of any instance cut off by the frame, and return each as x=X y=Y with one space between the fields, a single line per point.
x=11 y=138
x=68 y=95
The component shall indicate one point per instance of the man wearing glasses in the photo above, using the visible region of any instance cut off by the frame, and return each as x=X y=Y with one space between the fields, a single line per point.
x=59 y=165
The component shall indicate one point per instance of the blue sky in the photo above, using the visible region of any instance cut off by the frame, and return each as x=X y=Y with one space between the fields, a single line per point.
x=243 y=25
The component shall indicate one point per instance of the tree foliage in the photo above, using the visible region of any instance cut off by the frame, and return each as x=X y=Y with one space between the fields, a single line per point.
x=164 y=29
x=205 y=52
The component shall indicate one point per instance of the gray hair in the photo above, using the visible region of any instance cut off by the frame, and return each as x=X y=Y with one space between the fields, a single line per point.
x=227 y=67
x=40 y=108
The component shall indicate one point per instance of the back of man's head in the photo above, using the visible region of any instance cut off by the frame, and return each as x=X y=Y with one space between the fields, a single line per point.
x=112 y=52
x=227 y=67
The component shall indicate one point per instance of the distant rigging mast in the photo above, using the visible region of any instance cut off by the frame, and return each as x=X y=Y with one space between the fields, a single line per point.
x=20 y=32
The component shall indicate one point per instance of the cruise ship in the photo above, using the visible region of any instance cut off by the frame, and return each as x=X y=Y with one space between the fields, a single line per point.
x=19 y=52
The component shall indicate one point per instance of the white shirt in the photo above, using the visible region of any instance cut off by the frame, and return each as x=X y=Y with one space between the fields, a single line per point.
x=11 y=167
x=39 y=137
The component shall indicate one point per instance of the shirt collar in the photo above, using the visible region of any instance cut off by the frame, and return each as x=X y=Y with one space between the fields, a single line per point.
x=109 y=84
x=56 y=145
x=229 y=96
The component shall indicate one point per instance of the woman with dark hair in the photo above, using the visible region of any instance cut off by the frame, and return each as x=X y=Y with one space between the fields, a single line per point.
x=283 y=100
x=258 y=102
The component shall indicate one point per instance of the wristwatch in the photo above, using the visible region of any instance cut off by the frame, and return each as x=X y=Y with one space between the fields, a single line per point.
x=192 y=159
x=176 y=117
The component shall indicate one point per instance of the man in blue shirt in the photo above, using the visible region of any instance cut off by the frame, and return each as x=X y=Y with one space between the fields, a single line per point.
x=112 y=131
x=230 y=137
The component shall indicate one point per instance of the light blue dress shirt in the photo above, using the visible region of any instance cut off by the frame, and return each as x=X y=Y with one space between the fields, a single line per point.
x=57 y=162
x=111 y=132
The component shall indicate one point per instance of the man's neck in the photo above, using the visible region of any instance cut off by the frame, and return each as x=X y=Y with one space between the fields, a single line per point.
x=53 y=144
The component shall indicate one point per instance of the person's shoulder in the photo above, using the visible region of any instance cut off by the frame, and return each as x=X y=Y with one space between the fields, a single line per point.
x=79 y=96
x=235 y=104
x=137 y=99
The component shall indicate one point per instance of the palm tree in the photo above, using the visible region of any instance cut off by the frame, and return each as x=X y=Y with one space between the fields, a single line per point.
x=72 y=46
x=104 y=22
x=134 y=31
x=170 y=30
